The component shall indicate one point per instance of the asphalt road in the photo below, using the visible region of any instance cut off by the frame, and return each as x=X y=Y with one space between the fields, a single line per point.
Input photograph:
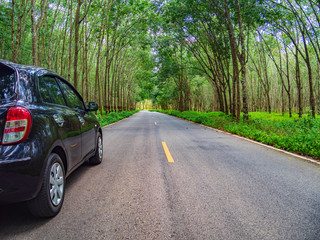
x=218 y=187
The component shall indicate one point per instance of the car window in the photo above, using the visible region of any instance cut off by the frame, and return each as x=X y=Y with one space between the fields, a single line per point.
x=7 y=82
x=72 y=98
x=50 y=91
x=45 y=97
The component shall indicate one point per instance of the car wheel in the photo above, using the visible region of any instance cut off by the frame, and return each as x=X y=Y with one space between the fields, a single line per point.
x=97 y=158
x=49 y=201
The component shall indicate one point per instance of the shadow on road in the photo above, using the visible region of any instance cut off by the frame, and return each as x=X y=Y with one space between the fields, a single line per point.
x=15 y=218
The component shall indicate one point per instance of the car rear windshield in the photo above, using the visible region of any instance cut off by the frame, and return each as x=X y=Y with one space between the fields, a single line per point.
x=7 y=82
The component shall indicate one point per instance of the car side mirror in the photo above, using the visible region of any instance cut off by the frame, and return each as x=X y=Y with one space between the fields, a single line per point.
x=92 y=106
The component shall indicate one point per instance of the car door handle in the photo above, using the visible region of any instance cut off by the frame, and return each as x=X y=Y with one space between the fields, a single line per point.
x=58 y=119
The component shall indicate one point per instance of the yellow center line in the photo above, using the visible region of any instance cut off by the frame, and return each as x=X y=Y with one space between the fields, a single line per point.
x=167 y=152
x=155 y=123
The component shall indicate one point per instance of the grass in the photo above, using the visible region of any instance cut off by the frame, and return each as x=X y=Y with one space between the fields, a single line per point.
x=298 y=135
x=112 y=117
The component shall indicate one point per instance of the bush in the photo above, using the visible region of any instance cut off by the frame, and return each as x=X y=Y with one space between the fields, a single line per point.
x=112 y=117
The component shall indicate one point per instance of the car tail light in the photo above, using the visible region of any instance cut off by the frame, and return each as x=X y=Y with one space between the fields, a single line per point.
x=17 y=126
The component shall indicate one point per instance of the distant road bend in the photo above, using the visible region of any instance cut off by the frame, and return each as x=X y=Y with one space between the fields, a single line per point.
x=166 y=178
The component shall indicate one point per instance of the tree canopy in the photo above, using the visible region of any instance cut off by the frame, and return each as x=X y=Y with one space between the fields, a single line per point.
x=204 y=55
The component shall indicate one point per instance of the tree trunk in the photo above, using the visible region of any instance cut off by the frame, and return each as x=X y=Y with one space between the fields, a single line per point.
x=288 y=83
x=243 y=64
x=13 y=47
x=16 y=34
x=34 y=35
x=62 y=60
x=235 y=68
x=70 y=43
x=97 y=96
x=299 y=86
x=36 y=25
x=76 y=43
x=311 y=94
x=85 y=82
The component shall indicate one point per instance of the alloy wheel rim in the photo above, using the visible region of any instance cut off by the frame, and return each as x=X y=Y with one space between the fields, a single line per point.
x=56 y=184
x=100 y=148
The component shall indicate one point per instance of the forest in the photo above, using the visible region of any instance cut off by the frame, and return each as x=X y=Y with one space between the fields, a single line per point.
x=235 y=57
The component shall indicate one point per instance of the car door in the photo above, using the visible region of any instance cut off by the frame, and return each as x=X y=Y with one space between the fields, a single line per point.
x=88 y=132
x=65 y=118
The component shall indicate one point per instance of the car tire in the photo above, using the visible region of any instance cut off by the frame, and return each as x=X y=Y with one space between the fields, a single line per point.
x=97 y=158
x=49 y=200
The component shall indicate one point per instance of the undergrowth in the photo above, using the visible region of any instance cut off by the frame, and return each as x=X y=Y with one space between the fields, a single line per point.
x=108 y=118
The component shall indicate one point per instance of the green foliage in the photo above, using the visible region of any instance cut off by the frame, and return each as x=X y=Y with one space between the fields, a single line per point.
x=112 y=117
x=299 y=135
x=144 y=75
x=176 y=53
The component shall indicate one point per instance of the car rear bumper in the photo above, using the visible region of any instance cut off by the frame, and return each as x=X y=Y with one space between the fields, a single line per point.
x=18 y=180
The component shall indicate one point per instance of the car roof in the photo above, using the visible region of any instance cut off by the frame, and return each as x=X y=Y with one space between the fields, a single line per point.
x=21 y=67
x=29 y=68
